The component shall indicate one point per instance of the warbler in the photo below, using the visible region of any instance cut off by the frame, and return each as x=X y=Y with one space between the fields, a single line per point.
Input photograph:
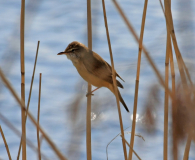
x=92 y=68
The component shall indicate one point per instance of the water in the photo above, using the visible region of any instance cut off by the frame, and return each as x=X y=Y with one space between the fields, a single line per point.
x=56 y=24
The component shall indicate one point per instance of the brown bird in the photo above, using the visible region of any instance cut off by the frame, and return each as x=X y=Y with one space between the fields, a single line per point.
x=92 y=68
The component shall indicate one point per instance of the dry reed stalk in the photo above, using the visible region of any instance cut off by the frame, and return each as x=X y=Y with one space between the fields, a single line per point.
x=88 y=115
x=17 y=132
x=32 y=79
x=173 y=91
x=182 y=67
x=29 y=97
x=137 y=80
x=143 y=48
x=180 y=61
x=162 y=6
x=6 y=146
x=174 y=141
x=22 y=59
x=114 y=79
x=172 y=71
x=22 y=106
x=180 y=57
x=166 y=98
x=187 y=148
x=112 y=141
x=131 y=148
x=169 y=21
x=138 y=135
x=38 y=116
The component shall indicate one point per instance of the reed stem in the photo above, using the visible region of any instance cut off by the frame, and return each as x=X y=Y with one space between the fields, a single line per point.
x=6 y=146
x=22 y=58
x=131 y=148
x=38 y=116
x=114 y=80
x=169 y=21
x=166 y=98
x=137 y=80
x=88 y=115
x=29 y=97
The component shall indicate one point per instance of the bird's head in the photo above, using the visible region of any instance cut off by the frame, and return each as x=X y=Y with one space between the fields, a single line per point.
x=74 y=51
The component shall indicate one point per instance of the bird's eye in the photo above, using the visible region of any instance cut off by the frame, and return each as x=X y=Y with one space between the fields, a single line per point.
x=73 y=50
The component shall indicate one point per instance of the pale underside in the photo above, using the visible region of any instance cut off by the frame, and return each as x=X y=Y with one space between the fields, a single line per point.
x=87 y=76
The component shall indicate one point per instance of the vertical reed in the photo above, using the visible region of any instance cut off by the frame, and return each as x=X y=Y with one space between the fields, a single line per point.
x=29 y=97
x=174 y=144
x=88 y=115
x=169 y=21
x=137 y=80
x=22 y=59
x=172 y=71
x=38 y=116
x=114 y=79
x=166 y=98
x=174 y=107
x=6 y=146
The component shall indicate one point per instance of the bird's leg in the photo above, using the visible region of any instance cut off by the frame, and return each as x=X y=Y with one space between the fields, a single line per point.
x=92 y=92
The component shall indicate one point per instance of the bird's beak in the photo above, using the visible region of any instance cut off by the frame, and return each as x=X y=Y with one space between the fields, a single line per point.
x=61 y=53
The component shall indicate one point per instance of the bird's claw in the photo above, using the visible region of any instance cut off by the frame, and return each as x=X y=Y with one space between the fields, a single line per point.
x=89 y=94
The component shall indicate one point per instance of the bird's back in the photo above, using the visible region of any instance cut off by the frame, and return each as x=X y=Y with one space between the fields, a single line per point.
x=98 y=67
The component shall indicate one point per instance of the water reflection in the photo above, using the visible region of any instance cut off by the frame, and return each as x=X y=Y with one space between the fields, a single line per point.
x=137 y=117
x=93 y=116
x=142 y=118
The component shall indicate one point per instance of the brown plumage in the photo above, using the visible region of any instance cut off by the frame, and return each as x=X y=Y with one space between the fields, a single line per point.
x=92 y=68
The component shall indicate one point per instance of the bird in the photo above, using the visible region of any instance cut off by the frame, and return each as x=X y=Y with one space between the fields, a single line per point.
x=92 y=68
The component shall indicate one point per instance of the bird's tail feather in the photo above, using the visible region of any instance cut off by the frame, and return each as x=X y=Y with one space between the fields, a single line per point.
x=122 y=101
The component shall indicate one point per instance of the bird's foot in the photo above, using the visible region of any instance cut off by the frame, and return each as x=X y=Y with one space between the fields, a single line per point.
x=89 y=94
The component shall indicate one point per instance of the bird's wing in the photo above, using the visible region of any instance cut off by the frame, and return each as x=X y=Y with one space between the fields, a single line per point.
x=97 y=66
x=115 y=72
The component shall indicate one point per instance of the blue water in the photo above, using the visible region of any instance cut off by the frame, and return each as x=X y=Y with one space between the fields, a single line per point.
x=56 y=24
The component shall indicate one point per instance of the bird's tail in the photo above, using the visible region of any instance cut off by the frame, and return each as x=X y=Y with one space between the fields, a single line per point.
x=122 y=101
x=111 y=88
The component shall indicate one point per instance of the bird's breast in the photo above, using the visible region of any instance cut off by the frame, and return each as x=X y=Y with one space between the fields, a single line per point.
x=90 y=78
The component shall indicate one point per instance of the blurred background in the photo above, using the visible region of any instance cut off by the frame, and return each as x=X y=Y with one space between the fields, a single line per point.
x=63 y=101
